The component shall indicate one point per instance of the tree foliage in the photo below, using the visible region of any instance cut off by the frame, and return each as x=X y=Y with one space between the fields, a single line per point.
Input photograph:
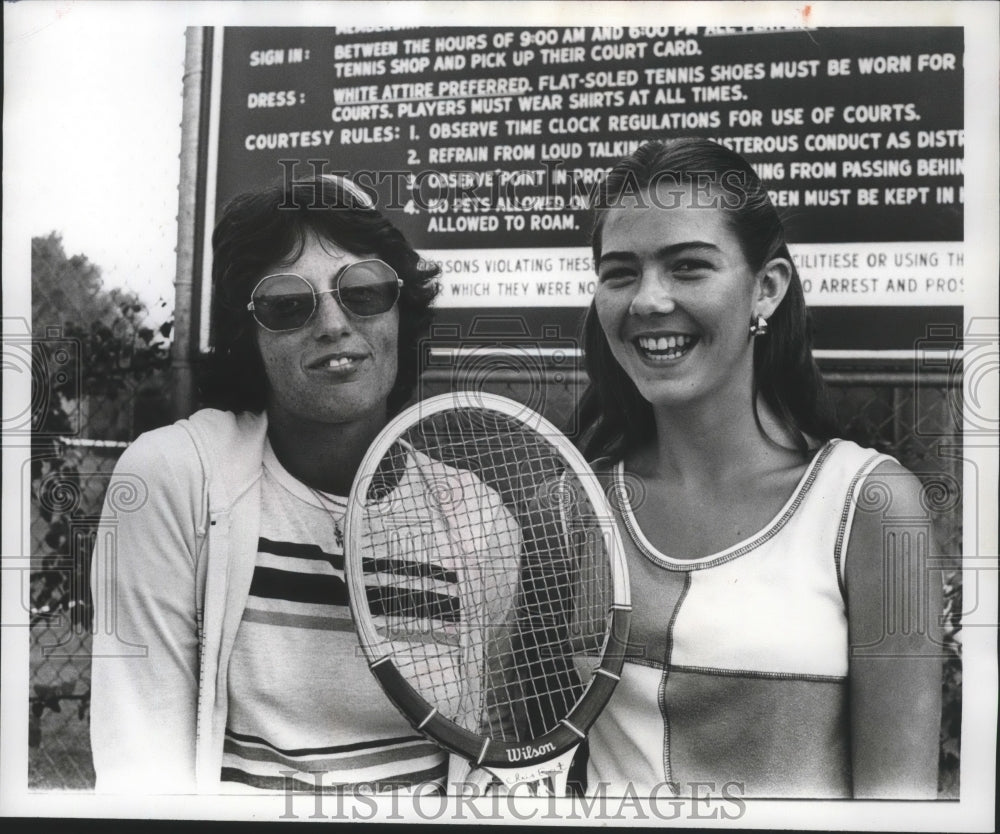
x=93 y=356
x=89 y=342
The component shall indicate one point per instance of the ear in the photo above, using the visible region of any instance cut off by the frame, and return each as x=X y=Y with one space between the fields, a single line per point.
x=772 y=284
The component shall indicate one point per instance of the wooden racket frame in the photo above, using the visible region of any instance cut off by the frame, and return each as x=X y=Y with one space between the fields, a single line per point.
x=484 y=751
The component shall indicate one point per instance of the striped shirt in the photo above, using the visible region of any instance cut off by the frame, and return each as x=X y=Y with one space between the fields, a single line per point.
x=305 y=710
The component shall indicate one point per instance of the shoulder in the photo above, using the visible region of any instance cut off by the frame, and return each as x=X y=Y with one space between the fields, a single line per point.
x=843 y=464
x=217 y=426
x=881 y=481
x=890 y=492
x=847 y=452
x=174 y=454
x=890 y=498
x=159 y=472
x=230 y=445
x=159 y=475
x=177 y=441
x=165 y=448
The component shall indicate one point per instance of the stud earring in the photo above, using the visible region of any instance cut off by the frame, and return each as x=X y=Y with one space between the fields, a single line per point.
x=758 y=326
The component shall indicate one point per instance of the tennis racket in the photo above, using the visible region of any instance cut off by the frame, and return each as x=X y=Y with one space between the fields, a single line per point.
x=488 y=584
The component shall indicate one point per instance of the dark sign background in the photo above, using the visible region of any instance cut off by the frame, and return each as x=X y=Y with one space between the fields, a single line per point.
x=530 y=115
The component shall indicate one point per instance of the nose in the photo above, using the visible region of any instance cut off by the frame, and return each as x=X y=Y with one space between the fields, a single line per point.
x=329 y=320
x=652 y=296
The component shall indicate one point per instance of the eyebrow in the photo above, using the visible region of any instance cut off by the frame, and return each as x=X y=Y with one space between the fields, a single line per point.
x=663 y=252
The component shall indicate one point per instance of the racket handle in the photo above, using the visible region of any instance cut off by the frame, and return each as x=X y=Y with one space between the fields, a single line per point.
x=466 y=779
x=480 y=780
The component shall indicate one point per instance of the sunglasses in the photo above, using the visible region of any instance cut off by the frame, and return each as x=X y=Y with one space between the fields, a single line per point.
x=287 y=301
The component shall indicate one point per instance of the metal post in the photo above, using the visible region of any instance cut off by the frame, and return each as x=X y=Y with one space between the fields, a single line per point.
x=184 y=344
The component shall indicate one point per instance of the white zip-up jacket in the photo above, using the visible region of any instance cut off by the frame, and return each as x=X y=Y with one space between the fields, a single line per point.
x=172 y=567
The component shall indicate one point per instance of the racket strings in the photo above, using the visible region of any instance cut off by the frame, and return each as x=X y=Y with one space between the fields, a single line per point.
x=484 y=573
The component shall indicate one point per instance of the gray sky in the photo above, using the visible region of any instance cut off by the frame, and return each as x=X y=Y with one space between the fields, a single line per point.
x=92 y=117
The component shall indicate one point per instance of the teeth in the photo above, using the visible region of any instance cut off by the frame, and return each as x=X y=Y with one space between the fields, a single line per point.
x=665 y=347
x=339 y=362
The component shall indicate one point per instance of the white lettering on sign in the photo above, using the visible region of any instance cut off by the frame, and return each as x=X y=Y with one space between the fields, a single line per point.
x=832 y=274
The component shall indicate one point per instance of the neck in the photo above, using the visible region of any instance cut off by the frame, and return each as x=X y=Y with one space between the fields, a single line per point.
x=324 y=456
x=716 y=442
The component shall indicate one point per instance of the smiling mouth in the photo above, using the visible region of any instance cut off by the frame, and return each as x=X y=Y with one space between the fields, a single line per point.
x=337 y=363
x=341 y=362
x=665 y=348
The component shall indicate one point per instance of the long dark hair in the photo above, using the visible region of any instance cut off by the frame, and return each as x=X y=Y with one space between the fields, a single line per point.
x=615 y=418
x=263 y=228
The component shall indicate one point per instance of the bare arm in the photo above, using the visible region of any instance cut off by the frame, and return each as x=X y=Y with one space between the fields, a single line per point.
x=894 y=606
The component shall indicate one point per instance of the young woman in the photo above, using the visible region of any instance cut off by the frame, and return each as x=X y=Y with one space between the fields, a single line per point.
x=225 y=656
x=773 y=583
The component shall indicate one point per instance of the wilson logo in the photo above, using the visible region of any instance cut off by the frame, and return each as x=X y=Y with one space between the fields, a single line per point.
x=520 y=754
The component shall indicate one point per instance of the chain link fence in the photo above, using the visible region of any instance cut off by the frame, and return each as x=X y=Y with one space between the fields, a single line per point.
x=917 y=422
x=99 y=377
x=67 y=493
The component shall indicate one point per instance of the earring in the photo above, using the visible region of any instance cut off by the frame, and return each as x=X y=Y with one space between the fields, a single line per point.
x=758 y=326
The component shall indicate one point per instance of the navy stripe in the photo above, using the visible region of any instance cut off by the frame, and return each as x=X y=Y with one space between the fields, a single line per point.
x=398 y=567
x=272 y=583
x=339 y=748
x=300 y=551
x=411 y=604
x=403 y=568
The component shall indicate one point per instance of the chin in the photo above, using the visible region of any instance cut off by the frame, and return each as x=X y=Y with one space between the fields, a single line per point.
x=341 y=412
x=667 y=395
x=360 y=415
